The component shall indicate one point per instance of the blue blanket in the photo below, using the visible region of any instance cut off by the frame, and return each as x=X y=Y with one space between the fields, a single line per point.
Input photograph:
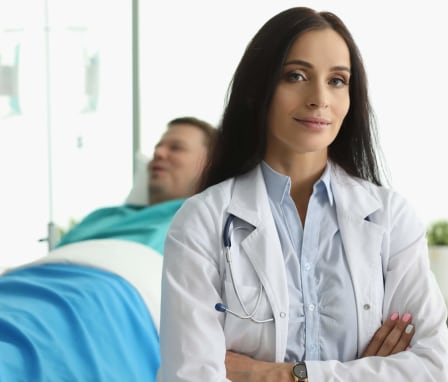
x=73 y=323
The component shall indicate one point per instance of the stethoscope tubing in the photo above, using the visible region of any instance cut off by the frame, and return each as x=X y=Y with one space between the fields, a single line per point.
x=221 y=307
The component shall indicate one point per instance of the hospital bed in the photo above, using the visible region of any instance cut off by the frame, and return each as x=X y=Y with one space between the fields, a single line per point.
x=87 y=311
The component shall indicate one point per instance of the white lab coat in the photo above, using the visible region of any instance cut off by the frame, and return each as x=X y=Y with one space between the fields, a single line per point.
x=386 y=253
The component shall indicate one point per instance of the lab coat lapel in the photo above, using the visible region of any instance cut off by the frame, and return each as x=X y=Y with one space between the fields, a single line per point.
x=362 y=241
x=250 y=203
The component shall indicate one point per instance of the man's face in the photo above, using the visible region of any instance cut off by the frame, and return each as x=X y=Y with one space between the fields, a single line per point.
x=177 y=163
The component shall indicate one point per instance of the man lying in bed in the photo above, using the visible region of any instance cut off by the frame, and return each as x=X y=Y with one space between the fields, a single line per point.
x=89 y=310
x=174 y=170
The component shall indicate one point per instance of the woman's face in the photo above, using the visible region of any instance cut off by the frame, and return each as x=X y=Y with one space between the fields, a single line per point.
x=311 y=99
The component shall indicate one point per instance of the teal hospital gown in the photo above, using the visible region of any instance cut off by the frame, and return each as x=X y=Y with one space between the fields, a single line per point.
x=147 y=225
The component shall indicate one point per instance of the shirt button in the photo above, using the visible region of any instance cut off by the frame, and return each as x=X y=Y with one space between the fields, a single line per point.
x=311 y=307
x=366 y=306
x=282 y=314
x=307 y=266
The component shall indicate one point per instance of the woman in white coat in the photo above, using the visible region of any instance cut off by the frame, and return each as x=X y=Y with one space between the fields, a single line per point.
x=295 y=263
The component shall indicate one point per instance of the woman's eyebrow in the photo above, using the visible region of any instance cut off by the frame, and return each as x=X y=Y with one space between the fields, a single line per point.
x=299 y=62
x=308 y=65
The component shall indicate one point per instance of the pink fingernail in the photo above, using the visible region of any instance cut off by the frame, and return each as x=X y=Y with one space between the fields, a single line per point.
x=394 y=316
x=408 y=348
x=406 y=317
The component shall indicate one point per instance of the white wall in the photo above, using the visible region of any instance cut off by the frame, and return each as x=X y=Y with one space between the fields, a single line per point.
x=90 y=148
x=189 y=50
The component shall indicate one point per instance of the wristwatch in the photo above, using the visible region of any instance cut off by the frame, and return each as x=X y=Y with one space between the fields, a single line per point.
x=299 y=372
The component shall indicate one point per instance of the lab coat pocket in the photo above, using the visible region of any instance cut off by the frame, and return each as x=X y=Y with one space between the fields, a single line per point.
x=243 y=335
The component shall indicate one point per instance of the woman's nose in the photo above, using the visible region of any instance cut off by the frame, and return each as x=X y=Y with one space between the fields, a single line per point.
x=317 y=97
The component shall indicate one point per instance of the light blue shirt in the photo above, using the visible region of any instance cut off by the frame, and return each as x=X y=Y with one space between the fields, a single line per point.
x=322 y=308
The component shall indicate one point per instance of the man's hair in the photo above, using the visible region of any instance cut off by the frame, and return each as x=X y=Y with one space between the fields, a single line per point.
x=208 y=130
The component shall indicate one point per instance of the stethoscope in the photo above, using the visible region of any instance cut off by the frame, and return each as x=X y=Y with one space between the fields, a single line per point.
x=223 y=308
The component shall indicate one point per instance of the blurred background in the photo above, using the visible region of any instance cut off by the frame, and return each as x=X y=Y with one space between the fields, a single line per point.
x=86 y=85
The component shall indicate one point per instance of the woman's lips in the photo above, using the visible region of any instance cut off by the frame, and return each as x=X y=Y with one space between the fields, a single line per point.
x=317 y=124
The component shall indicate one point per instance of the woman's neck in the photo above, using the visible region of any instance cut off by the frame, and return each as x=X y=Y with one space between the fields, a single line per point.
x=304 y=170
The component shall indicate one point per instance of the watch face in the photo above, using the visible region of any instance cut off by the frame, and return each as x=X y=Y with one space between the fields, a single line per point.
x=299 y=370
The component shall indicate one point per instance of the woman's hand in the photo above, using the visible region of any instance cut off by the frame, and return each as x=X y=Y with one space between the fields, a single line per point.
x=241 y=368
x=392 y=337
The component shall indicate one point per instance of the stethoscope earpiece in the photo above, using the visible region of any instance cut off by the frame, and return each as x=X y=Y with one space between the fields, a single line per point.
x=221 y=307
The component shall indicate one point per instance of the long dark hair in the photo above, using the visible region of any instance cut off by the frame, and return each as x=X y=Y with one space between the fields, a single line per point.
x=242 y=132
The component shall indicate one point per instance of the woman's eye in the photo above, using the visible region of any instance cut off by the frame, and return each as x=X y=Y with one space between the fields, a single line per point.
x=295 y=77
x=338 y=82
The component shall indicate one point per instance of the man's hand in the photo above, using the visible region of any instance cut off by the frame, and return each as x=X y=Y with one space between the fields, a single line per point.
x=392 y=337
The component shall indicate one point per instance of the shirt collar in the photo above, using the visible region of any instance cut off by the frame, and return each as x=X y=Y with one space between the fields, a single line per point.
x=279 y=185
x=325 y=179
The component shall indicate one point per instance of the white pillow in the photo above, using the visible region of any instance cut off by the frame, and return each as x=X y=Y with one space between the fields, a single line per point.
x=139 y=193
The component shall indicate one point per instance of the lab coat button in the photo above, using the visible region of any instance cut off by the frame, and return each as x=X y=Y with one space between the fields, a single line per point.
x=311 y=307
x=282 y=314
x=366 y=306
